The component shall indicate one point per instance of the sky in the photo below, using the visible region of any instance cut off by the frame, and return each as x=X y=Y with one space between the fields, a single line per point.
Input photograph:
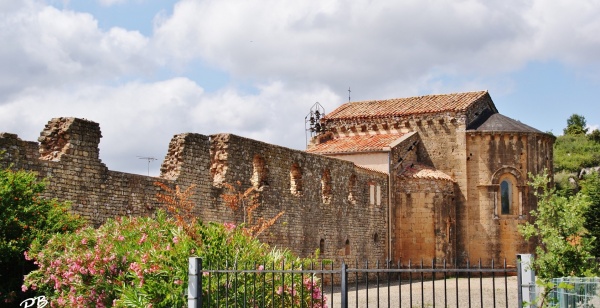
x=146 y=70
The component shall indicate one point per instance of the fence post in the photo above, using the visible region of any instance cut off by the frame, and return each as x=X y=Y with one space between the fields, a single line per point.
x=344 y=291
x=194 y=282
x=525 y=279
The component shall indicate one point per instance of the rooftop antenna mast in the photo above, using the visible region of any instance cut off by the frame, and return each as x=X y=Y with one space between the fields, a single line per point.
x=149 y=159
x=312 y=121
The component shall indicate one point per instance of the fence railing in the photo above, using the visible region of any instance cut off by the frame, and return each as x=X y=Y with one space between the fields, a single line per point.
x=360 y=285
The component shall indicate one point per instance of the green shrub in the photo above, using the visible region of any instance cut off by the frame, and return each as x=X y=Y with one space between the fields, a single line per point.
x=25 y=217
x=143 y=262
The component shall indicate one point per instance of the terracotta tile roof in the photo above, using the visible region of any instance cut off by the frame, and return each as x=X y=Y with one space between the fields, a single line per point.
x=419 y=171
x=406 y=106
x=355 y=144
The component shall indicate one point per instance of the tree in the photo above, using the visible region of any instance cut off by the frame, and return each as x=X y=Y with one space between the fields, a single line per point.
x=25 y=217
x=564 y=244
x=594 y=136
x=590 y=186
x=576 y=125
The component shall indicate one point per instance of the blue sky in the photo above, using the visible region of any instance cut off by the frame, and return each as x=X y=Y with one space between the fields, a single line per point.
x=148 y=69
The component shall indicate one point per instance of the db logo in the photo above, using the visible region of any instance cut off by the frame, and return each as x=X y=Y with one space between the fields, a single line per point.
x=30 y=302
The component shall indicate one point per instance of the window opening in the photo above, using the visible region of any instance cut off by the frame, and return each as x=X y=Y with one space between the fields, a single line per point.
x=296 y=180
x=505 y=197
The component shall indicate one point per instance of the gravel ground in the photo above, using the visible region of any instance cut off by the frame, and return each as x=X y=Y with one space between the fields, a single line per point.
x=481 y=294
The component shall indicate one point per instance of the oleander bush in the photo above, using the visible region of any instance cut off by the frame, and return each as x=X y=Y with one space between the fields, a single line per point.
x=24 y=217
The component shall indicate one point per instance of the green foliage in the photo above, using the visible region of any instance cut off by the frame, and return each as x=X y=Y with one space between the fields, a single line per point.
x=594 y=136
x=143 y=262
x=564 y=247
x=25 y=217
x=576 y=125
x=590 y=186
x=573 y=152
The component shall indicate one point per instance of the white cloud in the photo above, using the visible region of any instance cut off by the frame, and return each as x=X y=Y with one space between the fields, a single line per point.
x=53 y=48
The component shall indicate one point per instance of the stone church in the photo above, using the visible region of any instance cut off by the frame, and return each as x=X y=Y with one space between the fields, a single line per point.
x=436 y=176
x=457 y=171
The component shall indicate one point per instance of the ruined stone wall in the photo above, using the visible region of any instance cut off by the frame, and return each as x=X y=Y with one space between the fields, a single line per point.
x=493 y=157
x=425 y=220
x=67 y=157
x=329 y=203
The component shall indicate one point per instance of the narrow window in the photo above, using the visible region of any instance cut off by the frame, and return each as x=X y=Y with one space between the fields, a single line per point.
x=351 y=189
x=296 y=180
x=347 y=247
x=326 y=187
x=378 y=194
x=259 y=173
x=505 y=196
x=371 y=194
x=322 y=246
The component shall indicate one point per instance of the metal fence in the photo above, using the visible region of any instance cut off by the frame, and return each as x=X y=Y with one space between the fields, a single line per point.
x=359 y=285
x=575 y=292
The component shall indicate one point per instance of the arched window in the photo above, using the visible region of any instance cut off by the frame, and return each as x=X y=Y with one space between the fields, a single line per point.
x=505 y=197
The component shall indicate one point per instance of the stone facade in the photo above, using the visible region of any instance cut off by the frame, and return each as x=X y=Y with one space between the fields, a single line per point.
x=440 y=176
x=447 y=164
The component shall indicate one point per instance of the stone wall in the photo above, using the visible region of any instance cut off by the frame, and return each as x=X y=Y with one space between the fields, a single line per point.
x=493 y=157
x=425 y=215
x=329 y=204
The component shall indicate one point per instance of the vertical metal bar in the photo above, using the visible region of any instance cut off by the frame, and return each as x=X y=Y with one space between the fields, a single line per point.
x=332 y=284
x=367 y=284
x=217 y=286
x=282 y=284
x=312 y=285
x=292 y=286
x=194 y=267
x=410 y=281
x=387 y=264
x=399 y=282
x=226 y=285
x=519 y=282
x=208 y=293
x=235 y=283
x=422 y=291
x=456 y=280
x=263 y=275
x=377 y=279
x=433 y=280
x=480 y=284
x=445 y=286
x=273 y=285
x=493 y=284
x=323 y=286
x=469 y=280
x=301 y=284
x=344 y=292
x=356 y=282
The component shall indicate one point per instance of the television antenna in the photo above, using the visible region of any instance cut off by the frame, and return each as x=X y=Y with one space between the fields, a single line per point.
x=149 y=159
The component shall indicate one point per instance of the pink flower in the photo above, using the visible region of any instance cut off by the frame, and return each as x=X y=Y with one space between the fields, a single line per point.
x=175 y=240
x=178 y=282
x=121 y=238
x=143 y=239
x=229 y=226
x=84 y=241
x=261 y=267
x=279 y=291
x=24 y=288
